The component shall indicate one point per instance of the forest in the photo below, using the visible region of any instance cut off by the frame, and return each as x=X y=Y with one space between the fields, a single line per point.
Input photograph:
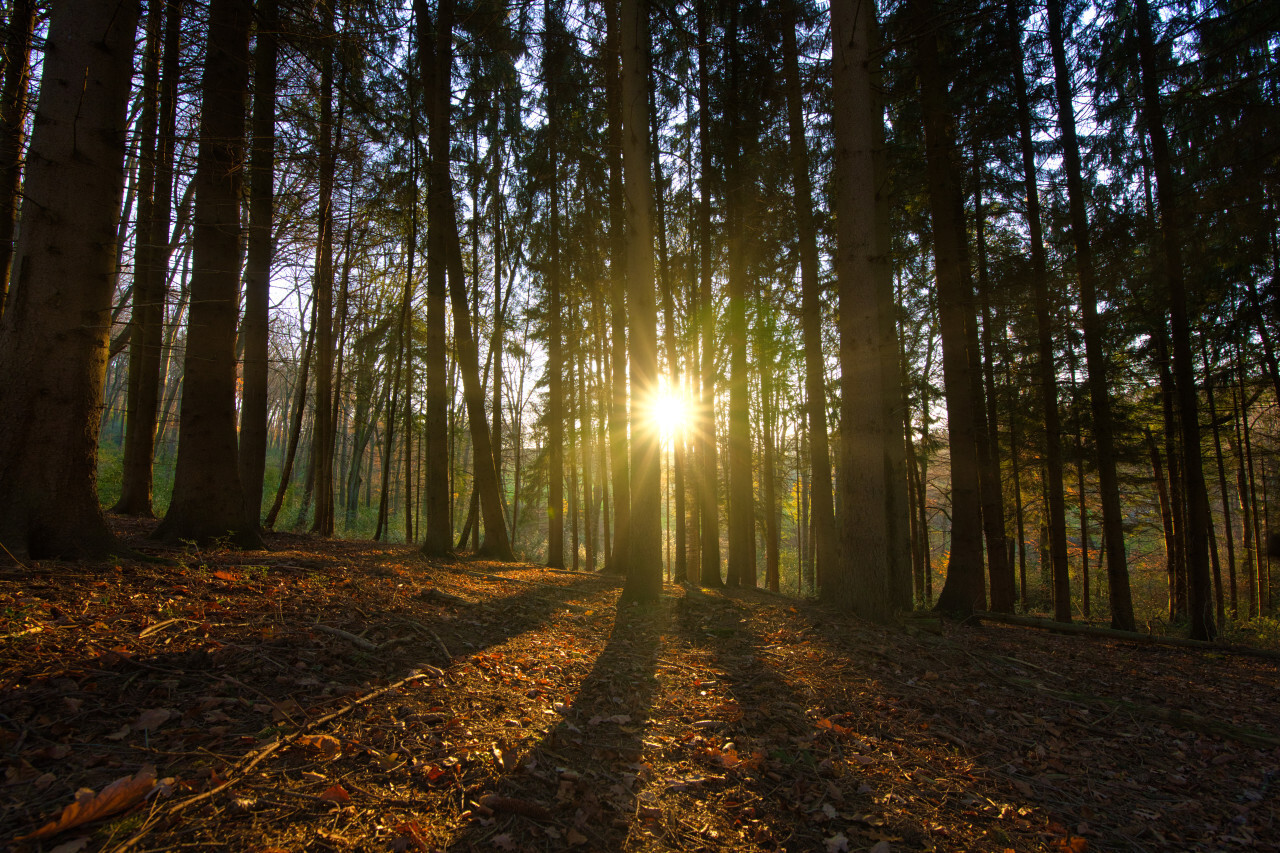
x=748 y=318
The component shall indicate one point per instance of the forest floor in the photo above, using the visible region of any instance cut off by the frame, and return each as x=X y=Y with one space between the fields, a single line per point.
x=333 y=696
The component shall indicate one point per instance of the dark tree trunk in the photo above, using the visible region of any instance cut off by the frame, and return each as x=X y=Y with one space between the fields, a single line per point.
x=139 y=438
x=708 y=479
x=1095 y=360
x=261 y=249
x=54 y=332
x=18 y=31
x=555 y=414
x=1199 y=582
x=644 y=558
x=964 y=590
x=322 y=447
x=815 y=382
x=208 y=501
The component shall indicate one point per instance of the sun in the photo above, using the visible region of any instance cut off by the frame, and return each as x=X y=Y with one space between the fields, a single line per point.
x=669 y=412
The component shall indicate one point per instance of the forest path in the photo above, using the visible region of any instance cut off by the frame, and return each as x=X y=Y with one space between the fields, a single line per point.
x=354 y=696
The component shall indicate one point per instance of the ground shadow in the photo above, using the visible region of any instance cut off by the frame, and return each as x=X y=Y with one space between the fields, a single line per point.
x=585 y=780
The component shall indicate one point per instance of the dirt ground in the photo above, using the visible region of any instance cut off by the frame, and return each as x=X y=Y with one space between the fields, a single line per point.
x=335 y=696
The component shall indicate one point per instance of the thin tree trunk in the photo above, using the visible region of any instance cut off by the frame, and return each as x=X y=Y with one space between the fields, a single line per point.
x=1199 y=582
x=18 y=32
x=261 y=248
x=1099 y=392
x=299 y=407
x=322 y=447
x=708 y=480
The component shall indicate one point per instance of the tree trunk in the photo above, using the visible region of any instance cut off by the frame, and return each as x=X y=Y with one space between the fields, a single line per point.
x=54 y=332
x=708 y=479
x=739 y=192
x=1045 y=367
x=496 y=543
x=322 y=448
x=555 y=414
x=18 y=32
x=1199 y=582
x=261 y=249
x=863 y=583
x=619 y=462
x=815 y=383
x=644 y=557
x=1095 y=360
x=208 y=501
x=295 y=432
x=964 y=590
x=147 y=289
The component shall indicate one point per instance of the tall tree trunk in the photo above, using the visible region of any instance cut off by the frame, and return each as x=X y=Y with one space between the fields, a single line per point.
x=261 y=249
x=555 y=414
x=437 y=534
x=135 y=487
x=55 y=328
x=496 y=543
x=739 y=192
x=644 y=558
x=708 y=479
x=1199 y=582
x=18 y=32
x=295 y=432
x=815 y=383
x=1095 y=360
x=1046 y=370
x=1222 y=489
x=619 y=463
x=208 y=501
x=982 y=363
x=964 y=590
x=674 y=388
x=863 y=583
x=322 y=447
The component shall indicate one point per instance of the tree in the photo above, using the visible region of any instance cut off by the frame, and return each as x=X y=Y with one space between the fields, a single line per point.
x=644 y=560
x=964 y=589
x=208 y=502
x=1095 y=361
x=261 y=249
x=18 y=31
x=54 y=332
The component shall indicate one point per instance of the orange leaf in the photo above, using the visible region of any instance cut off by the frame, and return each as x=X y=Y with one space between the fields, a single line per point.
x=336 y=794
x=116 y=797
x=413 y=831
x=224 y=576
x=328 y=746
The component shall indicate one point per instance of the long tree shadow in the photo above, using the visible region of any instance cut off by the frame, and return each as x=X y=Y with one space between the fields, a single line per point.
x=798 y=765
x=584 y=781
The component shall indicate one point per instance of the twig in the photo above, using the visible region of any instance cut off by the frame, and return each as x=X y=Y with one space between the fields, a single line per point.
x=15 y=559
x=358 y=642
x=254 y=757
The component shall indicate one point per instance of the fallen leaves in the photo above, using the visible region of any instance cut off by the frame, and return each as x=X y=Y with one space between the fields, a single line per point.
x=328 y=746
x=121 y=794
x=336 y=794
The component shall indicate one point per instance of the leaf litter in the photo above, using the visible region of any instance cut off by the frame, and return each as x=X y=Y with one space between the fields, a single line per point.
x=333 y=695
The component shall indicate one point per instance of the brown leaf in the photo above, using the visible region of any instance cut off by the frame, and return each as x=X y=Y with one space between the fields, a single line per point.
x=336 y=794
x=153 y=719
x=116 y=797
x=575 y=838
x=328 y=746
x=514 y=806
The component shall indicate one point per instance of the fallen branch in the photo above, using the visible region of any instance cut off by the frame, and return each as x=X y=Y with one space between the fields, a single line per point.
x=355 y=640
x=1129 y=636
x=252 y=758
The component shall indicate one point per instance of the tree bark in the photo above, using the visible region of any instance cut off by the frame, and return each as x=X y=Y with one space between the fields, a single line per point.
x=964 y=590
x=1095 y=360
x=815 y=382
x=644 y=559
x=1199 y=582
x=55 y=329
x=208 y=501
x=555 y=414
x=708 y=480
x=322 y=448
x=18 y=32
x=261 y=249
x=1045 y=367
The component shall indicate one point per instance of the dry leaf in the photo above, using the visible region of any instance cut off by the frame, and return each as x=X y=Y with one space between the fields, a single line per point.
x=503 y=842
x=153 y=719
x=116 y=797
x=881 y=846
x=120 y=734
x=328 y=746
x=575 y=838
x=838 y=844
x=75 y=845
x=336 y=794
